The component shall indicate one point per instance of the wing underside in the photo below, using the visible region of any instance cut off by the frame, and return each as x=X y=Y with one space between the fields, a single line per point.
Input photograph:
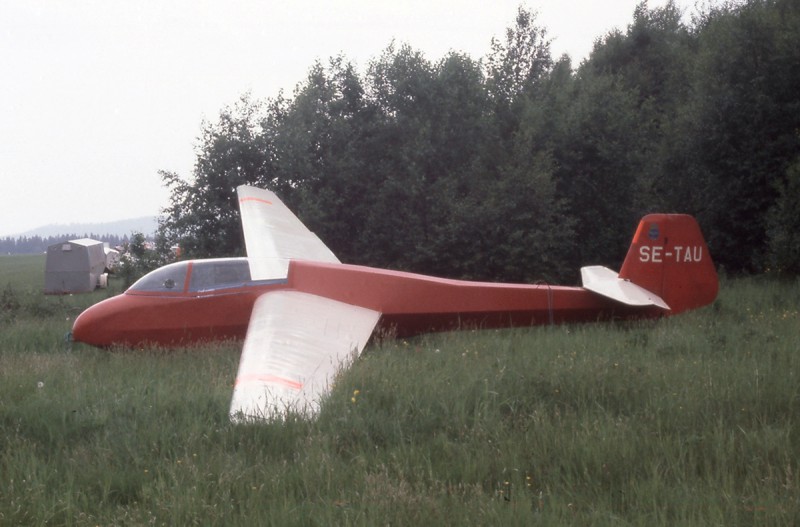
x=296 y=344
x=273 y=235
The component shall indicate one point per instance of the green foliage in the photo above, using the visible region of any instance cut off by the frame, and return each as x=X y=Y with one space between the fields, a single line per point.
x=516 y=166
x=784 y=222
x=522 y=59
x=141 y=259
x=600 y=168
x=747 y=111
x=203 y=215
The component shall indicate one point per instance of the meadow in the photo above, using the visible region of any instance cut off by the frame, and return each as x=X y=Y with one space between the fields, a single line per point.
x=689 y=420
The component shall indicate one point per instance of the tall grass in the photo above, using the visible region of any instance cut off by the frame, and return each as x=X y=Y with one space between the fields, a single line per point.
x=684 y=421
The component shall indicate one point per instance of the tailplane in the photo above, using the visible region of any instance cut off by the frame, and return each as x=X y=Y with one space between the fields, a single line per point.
x=668 y=266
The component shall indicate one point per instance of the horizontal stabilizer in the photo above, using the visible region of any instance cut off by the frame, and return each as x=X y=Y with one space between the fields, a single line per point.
x=605 y=282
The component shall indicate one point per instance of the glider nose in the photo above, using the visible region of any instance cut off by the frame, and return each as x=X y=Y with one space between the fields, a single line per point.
x=95 y=325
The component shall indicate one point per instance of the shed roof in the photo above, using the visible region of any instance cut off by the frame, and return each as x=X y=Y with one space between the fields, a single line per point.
x=86 y=242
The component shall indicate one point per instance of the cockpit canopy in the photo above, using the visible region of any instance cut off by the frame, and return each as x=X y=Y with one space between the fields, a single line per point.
x=196 y=276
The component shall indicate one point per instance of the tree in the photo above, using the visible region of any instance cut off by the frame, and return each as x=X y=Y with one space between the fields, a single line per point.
x=431 y=139
x=518 y=62
x=326 y=140
x=139 y=259
x=747 y=113
x=653 y=61
x=517 y=166
x=784 y=225
x=600 y=159
x=203 y=213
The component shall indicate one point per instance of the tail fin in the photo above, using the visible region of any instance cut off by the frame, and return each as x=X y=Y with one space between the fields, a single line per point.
x=670 y=258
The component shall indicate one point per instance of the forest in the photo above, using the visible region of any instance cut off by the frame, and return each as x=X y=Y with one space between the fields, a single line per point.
x=520 y=165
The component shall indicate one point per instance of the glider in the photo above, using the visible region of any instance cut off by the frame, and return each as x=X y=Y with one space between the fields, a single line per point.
x=304 y=315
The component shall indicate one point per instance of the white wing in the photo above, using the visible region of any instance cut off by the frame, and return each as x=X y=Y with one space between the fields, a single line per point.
x=273 y=235
x=295 y=345
x=605 y=282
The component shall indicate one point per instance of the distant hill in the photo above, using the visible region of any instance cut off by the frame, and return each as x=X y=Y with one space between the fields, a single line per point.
x=146 y=225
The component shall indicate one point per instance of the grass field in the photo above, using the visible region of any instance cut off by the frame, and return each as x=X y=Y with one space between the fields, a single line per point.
x=692 y=420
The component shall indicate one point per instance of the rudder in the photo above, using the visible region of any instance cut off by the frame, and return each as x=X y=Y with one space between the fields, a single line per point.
x=669 y=257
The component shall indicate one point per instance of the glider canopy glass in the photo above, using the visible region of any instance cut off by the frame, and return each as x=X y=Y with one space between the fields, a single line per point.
x=208 y=275
x=204 y=275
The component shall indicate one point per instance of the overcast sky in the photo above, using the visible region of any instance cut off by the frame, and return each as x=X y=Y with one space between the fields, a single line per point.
x=98 y=95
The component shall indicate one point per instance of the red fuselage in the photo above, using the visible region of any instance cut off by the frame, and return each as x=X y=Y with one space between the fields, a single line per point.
x=409 y=303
